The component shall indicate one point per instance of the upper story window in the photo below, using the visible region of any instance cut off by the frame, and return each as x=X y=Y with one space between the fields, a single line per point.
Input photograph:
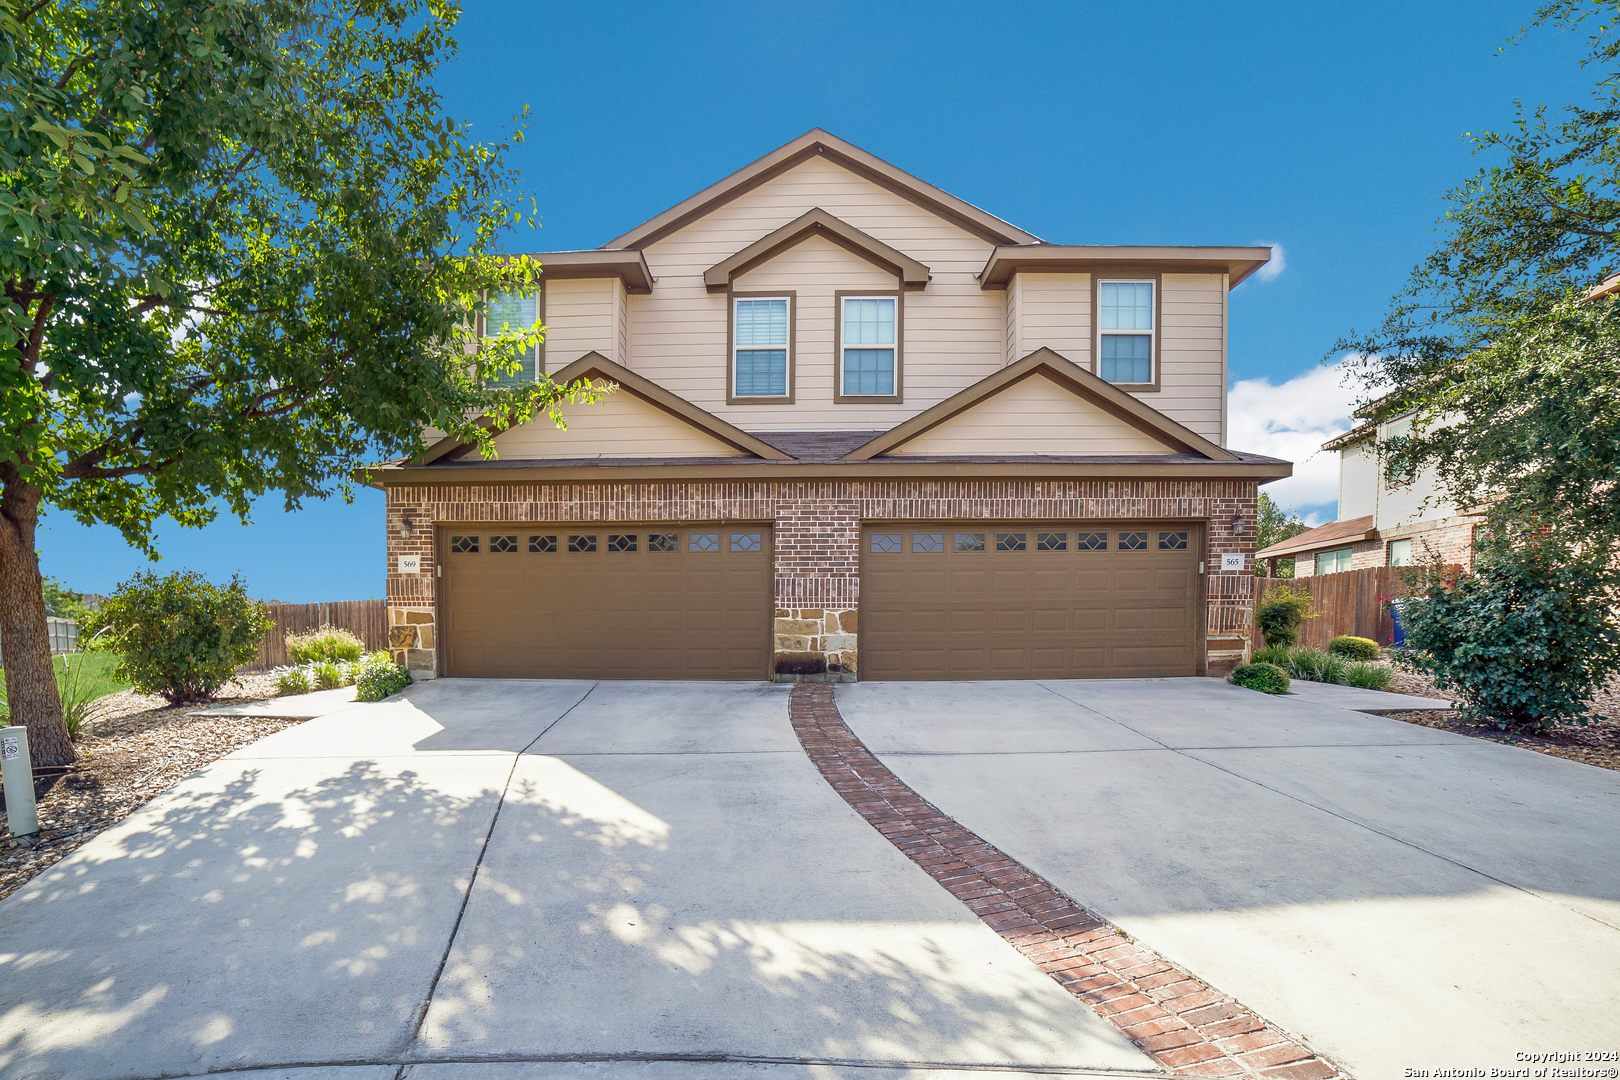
x=1396 y=471
x=868 y=346
x=1126 y=331
x=506 y=314
x=761 y=346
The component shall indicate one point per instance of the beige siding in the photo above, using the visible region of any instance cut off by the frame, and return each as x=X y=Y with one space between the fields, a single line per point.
x=580 y=319
x=621 y=324
x=954 y=331
x=1015 y=292
x=1033 y=416
x=1054 y=312
x=1358 y=480
x=622 y=426
x=1192 y=379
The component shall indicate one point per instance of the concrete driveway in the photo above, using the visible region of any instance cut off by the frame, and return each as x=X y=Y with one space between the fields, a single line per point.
x=519 y=879
x=1399 y=897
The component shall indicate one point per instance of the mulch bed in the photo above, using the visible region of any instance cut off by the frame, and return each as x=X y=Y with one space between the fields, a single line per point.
x=136 y=747
x=1598 y=743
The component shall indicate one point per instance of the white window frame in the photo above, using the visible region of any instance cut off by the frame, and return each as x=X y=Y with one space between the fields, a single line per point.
x=1152 y=333
x=1389 y=552
x=1335 y=552
x=536 y=351
x=893 y=347
x=731 y=334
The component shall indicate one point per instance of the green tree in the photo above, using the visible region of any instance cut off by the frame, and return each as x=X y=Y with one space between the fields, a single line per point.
x=1273 y=525
x=63 y=603
x=1512 y=376
x=243 y=251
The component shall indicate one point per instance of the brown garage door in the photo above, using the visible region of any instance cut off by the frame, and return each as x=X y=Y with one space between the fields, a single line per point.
x=1024 y=601
x=613 y=602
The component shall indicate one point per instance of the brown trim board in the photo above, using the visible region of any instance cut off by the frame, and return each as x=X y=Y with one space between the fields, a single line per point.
x=731 y=345
x=1010 y=259
x=817 y=222
x=1066 y=373
x=1122 y=274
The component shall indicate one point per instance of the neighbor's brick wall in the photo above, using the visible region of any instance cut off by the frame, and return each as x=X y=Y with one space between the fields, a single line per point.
x=1452 y=539
x=817 y=541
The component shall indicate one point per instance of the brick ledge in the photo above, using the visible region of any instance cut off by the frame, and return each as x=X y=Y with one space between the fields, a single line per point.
x=1185 y=1025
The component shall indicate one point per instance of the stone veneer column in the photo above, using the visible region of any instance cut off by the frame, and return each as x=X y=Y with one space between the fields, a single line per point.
x=412 y=634
x=817 y=572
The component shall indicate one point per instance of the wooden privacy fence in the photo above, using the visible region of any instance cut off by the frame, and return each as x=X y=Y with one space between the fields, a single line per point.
x=1348 y=603
x=366 y=619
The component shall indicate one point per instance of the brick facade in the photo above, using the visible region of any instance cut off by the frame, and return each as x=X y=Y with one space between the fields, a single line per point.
x=1451 y=539
x=817 y=542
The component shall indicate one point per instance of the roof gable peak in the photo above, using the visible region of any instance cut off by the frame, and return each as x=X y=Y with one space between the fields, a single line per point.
x=813 y=143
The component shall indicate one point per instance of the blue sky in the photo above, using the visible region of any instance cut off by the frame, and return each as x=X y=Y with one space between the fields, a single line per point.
x=1331 y=130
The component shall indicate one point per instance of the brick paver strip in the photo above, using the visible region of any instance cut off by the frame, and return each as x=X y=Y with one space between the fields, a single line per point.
x=1185 y=1025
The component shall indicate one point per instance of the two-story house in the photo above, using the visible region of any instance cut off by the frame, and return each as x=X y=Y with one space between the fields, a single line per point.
x=1386 y=517
x=861 y=427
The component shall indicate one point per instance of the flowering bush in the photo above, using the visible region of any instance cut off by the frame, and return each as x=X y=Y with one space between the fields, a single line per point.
x=378 y=677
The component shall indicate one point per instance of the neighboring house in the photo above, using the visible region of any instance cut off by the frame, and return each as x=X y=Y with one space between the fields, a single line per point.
x=862 y=427
x=1385 y=518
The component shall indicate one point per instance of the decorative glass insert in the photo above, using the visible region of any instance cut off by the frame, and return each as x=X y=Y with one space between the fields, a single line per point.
x=703 y=542
x=925 y=542
x=1122 y=307
x=621 y=541
x=464 y=545
x=1091 y=541
x=508 y=314
x=542 y=543
x=761 y=339
x=745 y=541
x=1051 y=541
x=887 y=542
x=661 y=541
x=503 y=544
x=970 y=541
x=582 y=544
x=1172 y=541
x=868 y=321
x=1133 y=541
x=1010 y=541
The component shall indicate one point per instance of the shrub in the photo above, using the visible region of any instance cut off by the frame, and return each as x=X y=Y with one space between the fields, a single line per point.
x=328 y=674
x=1354 y=648
x=1367 y=676
x=293 y=680
x=327 y=643
x=1281 y=612
x=180 y=636
x=1524 y=641
x=1266 y=678
x=379 y=677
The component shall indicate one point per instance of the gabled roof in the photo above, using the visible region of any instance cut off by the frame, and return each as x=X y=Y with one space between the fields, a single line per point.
x=1065 y=373
x=1008 y=260
x=811 y=144
x=594 y=365
x=1333 y=534
x=1354 y=435
x=817 y=222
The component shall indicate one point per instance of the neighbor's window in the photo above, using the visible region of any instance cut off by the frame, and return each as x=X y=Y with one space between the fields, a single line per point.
x=1125 y=331
x=1400 y=553
x=760 y=353
x=506 y=314
x=1333 y=562
x=868 y=339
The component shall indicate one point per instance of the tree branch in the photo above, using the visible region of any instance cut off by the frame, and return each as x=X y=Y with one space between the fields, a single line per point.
x=71 y=68
x=76 y=472
x=35 y=10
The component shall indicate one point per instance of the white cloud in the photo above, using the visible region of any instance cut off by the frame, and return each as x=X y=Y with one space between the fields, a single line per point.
x=1277 y=265
x=1292 y=420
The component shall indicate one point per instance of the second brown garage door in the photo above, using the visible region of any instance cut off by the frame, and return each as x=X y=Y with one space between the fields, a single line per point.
x=1015 y=600
x=611 y=602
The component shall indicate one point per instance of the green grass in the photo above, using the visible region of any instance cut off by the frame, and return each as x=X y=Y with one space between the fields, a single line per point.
x=87 y=673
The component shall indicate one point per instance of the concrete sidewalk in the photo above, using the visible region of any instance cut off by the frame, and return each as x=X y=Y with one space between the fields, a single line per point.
x=652 y=877
x=1398 y=897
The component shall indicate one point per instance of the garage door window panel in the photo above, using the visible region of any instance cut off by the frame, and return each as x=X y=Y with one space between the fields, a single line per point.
x=927 y=543
x=543 y=544
x=503 y=544
x=1011 y=541
x=581 y=545
x=464 y=545
x=883 y=543
x=703 y=542
x=969 y=542
x=1133 y=541
x=621 y=542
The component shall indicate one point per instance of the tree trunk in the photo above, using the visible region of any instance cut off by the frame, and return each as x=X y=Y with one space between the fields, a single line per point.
x=25 y=642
